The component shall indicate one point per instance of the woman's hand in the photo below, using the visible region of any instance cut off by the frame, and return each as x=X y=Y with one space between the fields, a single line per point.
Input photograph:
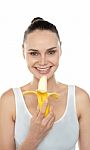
x=40 y=125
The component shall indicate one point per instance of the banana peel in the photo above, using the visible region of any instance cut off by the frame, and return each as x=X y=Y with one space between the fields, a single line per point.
x=42 y=94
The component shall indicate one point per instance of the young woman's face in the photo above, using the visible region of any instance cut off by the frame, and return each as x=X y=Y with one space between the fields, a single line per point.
x=42 y=52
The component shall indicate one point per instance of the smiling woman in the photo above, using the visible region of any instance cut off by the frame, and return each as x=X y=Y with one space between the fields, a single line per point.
x=68 y=118
x=41 y=48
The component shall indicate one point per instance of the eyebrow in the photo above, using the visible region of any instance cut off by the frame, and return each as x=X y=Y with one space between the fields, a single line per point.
x=35 y=50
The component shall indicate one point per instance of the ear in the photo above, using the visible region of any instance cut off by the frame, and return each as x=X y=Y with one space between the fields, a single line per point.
x=23 y=51
x=60 y=51
x=60 y=48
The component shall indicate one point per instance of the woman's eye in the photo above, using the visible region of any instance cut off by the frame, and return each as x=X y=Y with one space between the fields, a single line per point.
x=34 y=53
x=51 y=52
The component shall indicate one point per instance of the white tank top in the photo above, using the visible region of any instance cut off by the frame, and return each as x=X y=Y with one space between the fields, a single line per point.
x=64 y=133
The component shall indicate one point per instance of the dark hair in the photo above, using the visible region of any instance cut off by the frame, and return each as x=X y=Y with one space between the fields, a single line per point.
x=41 y=24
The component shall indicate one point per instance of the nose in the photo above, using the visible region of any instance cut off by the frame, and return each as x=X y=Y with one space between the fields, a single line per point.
x=43 y=60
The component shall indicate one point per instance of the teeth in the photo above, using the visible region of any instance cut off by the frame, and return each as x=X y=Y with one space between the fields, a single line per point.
x=43 y=69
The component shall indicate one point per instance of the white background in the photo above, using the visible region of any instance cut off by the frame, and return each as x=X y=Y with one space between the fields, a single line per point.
x=72 y=18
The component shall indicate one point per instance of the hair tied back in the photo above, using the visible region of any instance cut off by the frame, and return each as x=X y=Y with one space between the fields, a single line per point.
x=37 y=19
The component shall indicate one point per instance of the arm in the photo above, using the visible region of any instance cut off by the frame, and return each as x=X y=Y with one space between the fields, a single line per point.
x=83 y=101
x=7 y=122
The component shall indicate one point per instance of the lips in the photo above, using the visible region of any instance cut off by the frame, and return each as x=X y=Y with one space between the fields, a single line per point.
x=43 y=70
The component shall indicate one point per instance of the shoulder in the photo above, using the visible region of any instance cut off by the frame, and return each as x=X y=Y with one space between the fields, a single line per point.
x=81 y=94
x=82 y=100
x=7 y=96
x=7 y=102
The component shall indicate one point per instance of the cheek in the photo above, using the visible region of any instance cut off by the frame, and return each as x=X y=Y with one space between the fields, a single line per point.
x=55 y=59
x=31 y=62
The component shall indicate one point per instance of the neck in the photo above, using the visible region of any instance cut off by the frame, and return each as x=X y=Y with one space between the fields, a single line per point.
x=51 y=83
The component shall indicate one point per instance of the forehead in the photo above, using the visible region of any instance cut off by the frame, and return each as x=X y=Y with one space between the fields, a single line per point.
x=41 y=39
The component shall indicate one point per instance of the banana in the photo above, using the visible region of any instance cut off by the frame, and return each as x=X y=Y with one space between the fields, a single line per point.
x=42 y=93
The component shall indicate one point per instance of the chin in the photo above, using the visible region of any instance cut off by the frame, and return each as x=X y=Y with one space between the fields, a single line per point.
x=38 y=76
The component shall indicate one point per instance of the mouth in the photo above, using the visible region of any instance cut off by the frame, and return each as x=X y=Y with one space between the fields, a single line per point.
x=43 y=70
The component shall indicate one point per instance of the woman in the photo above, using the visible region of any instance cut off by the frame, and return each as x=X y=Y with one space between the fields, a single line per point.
x=22 y=125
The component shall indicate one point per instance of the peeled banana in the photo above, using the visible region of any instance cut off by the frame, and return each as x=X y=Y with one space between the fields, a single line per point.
x=42 y=93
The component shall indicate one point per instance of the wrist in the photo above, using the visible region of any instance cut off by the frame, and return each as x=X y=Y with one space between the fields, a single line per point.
x=30 y=143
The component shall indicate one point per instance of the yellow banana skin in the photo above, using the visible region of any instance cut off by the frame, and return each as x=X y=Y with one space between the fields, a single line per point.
x=42 y=97
x=42 y=93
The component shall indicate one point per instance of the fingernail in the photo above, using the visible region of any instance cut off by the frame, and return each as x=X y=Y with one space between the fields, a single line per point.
x=37 y=107
x=51 y=108
x=46 y=101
